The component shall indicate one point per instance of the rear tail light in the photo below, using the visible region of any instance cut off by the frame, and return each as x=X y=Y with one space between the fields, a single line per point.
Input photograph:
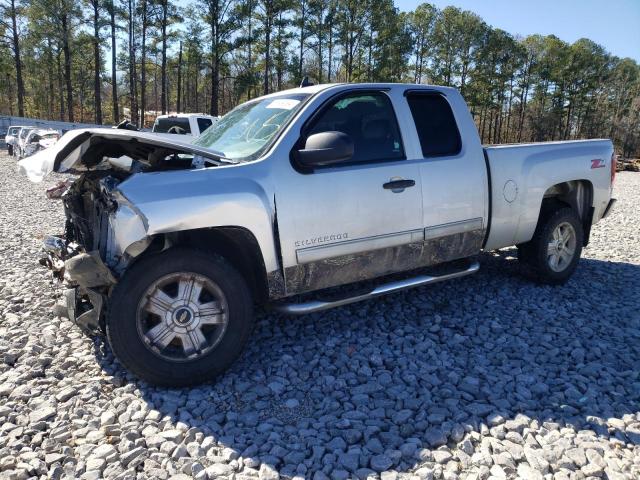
x=613 y=168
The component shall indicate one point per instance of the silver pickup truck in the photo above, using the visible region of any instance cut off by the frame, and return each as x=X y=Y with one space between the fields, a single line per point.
x=288 y=199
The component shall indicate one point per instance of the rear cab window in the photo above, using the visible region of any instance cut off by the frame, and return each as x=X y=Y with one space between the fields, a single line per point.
x=179 y=125
x=435 y=124
x=204 y=123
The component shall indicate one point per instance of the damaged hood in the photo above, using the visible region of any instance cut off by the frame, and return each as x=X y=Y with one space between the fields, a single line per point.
x=66 y=155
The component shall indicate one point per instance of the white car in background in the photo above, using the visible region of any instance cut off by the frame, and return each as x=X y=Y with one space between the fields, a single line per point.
x=21 y=141
x=11 y=138
x=190 y=124
x=39 y=139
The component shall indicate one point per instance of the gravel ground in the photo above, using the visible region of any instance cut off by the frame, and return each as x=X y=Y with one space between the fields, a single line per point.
x=489 y=376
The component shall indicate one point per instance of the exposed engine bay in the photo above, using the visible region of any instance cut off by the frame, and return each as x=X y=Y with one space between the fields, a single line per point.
x=103 y=232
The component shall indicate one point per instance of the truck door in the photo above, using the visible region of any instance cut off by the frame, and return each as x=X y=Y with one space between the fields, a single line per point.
x=357 y=220
x=454 y=176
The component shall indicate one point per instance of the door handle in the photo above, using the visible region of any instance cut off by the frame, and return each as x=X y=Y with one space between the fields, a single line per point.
x=398 y=186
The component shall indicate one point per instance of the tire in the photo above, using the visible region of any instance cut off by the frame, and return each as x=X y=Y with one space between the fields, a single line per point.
x=10 y=150
x=553 y=265
x=133 y=318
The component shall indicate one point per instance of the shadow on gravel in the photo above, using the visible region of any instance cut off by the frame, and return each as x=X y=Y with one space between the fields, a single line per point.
x=366 y=385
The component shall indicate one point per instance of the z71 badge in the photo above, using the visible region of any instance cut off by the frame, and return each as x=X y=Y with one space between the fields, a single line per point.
x=597 y=163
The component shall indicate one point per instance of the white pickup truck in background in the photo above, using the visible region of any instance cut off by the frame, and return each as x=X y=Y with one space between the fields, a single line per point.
x=11 y=138
x=190 y=124
x=297 y=192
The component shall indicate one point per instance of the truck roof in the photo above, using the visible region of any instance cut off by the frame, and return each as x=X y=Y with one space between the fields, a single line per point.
x=185 y=115
x=325 y=86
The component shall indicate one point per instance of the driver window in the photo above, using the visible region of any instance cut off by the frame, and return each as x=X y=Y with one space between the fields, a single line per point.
x=369 y=119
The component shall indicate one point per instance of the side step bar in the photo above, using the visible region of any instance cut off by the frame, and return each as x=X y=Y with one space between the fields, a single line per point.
x=318 y=305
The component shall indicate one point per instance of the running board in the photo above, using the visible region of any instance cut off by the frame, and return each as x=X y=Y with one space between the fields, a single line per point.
x=318 y=305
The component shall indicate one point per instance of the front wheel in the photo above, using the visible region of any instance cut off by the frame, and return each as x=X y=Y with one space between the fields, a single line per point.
x=552 y=255
x=179 y=318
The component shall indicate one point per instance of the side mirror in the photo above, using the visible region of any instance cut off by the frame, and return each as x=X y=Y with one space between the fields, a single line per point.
x=326 y=148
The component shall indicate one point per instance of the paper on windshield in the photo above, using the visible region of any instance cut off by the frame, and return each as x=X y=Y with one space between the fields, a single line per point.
x=283 y=103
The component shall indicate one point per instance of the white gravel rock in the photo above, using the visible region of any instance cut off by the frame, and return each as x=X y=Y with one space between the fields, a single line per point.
x=41 y=414
x=488 y=376
x=267 y=472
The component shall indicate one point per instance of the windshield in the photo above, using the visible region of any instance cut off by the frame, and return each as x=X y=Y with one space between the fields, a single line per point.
x=246 y=131
x=24 y=132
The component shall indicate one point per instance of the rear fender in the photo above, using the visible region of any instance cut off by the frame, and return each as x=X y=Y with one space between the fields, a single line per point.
x=534 y=170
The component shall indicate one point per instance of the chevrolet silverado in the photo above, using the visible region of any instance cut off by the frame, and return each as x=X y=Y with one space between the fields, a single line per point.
x=168 y=245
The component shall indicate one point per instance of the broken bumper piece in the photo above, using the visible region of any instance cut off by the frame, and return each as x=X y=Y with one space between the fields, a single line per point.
x=88 y=270
x=56 y=251
x=83 y=307
x=87 y=277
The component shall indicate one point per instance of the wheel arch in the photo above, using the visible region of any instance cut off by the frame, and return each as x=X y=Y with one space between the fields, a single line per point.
x=577 y=194
x=236 y=244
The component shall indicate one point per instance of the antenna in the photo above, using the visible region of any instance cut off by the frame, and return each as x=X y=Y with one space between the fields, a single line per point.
x=305 y=82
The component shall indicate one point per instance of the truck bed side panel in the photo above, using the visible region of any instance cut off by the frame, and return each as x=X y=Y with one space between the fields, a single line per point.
x=521 y=174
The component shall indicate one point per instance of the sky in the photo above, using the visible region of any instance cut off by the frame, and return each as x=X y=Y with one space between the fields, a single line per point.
x=614 y=24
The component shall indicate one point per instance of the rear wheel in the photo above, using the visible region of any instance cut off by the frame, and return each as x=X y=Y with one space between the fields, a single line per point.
x=180 y=317
x=553 y=253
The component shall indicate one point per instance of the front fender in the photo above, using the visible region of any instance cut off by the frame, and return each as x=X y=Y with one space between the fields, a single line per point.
x=177 y=201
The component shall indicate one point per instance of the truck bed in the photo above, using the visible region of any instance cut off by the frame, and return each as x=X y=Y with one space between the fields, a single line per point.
x=520 y=174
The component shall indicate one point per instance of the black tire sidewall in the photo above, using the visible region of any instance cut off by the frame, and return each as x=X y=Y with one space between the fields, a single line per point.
x=536 y=255
x=129 y=348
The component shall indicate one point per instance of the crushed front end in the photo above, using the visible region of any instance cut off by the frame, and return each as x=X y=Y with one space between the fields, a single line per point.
x=85 y=257
x=104 y=232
